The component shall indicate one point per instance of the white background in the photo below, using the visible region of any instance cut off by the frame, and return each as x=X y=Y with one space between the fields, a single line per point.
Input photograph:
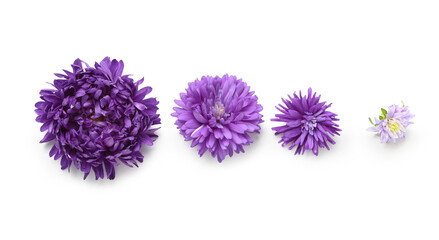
x=360 y=55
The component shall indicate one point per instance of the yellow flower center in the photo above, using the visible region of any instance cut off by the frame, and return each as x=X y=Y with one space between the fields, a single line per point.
x=219 y=109
x=394 y=126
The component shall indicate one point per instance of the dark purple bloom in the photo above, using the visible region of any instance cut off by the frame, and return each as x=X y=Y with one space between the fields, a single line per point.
x=218 y=114
x=308 y=124
x=96 y=115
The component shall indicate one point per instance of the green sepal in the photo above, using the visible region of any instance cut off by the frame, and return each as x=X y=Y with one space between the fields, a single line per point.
x=370 y=120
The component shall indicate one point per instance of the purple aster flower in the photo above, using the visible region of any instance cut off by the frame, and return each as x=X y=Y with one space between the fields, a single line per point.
x=392 y=123
x=218 y=114
x=96 y=115
x=308 y=124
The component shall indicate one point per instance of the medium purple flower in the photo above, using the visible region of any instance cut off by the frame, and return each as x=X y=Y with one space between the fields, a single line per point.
x=96 y=115
x=308 y=123
x=218 y=114
x=392 y=123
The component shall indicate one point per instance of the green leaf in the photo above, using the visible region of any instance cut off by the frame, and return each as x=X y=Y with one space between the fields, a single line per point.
x=370 y=120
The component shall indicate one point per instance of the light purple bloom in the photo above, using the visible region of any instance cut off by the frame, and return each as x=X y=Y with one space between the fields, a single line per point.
x=392 y=123
x=217 y=114
x=308 y=124
x=96 y=115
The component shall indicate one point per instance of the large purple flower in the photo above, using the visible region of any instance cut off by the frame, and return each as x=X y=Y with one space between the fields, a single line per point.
x=96 y=115
x=218 y=114
x=392 y=123
x=308 y=124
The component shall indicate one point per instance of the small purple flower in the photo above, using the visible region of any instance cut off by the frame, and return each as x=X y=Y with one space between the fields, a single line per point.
x=218 y=114
x=308 y=124
x=96 y=115
x=392 y=123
